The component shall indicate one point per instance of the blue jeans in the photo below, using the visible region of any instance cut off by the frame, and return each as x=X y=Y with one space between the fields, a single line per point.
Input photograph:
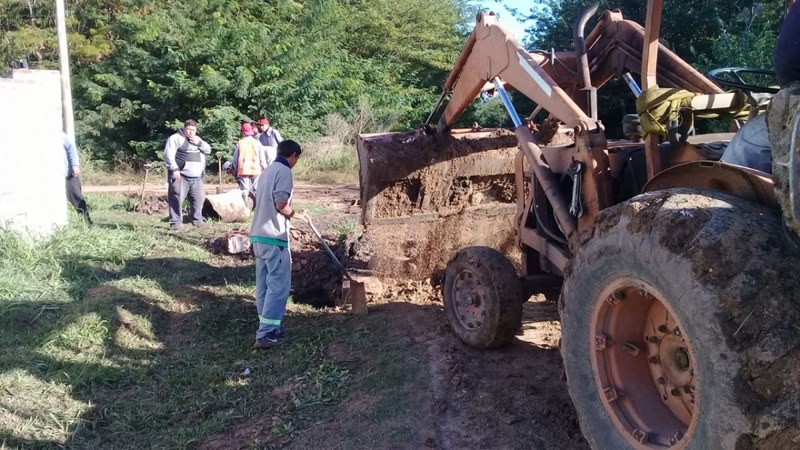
x=273 y=282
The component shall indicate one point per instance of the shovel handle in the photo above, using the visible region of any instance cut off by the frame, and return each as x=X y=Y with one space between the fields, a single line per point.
x=327 y=249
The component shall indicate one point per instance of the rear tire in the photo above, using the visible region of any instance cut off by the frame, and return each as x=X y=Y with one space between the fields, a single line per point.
x=483 y=297
x=676 y=306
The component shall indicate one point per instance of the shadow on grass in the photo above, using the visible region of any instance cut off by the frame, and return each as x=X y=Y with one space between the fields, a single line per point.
x=119 y=339
x=152 y=356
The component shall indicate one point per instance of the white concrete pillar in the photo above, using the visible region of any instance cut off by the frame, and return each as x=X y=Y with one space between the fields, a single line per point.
x=32 y=193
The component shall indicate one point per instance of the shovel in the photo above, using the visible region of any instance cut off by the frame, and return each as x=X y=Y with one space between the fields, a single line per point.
x=357 y=292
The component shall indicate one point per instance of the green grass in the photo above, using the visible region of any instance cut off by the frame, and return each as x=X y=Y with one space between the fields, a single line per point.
x=346 y=227
x=124 y=335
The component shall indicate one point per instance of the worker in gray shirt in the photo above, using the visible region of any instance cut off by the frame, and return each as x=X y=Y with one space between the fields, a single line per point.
x=185 y=158
x=268 y=136
x=269 y=234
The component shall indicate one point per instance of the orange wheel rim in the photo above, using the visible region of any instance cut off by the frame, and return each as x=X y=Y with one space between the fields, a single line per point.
x=644 y=366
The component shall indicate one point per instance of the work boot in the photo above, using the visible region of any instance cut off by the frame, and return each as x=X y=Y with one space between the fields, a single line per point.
x=271 y=339
x=176 y=228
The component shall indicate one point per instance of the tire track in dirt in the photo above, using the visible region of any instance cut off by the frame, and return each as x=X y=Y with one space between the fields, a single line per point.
x=514 y=397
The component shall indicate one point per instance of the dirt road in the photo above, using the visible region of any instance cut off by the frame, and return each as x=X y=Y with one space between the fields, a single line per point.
x=313 y=192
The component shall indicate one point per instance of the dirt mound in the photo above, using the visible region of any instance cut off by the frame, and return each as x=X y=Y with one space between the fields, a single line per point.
x=152 y=206
x=412 y=291
x=235 y=243
x=425 y=197
x=408 y=174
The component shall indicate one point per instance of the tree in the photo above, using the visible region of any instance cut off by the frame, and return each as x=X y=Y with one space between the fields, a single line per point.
x=708 y=34
x=141 y=66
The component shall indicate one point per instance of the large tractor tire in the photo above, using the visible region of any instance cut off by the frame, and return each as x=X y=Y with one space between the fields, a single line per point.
x=679 y=326
x=483 y=297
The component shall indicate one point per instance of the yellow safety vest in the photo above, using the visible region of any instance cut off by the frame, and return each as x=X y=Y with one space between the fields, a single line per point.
x=248 y=164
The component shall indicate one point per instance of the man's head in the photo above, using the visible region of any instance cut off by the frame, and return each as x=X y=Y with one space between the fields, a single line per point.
x=247 y=129
x=189 y=128
x=290 y=150
x=263 y=125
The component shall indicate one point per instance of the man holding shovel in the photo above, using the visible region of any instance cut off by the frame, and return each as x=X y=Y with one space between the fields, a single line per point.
x=269 y=235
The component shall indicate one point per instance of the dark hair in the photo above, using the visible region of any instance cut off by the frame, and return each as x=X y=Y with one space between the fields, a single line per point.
x=190 y=123
x=288 y=148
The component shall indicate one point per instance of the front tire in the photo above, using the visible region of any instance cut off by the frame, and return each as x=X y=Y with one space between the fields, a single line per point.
x=483 y=297
x=669 y=307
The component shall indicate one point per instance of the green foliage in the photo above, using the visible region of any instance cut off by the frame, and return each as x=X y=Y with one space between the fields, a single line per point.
x=140 y=66
x=707 y=34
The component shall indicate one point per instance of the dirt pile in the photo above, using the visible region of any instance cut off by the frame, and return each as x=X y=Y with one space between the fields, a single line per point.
x=235 y=243
x=152 y=206
x=412 y=291
x=425 y=197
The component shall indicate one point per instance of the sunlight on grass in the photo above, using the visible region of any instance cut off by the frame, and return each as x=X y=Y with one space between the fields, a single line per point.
x=38 y=410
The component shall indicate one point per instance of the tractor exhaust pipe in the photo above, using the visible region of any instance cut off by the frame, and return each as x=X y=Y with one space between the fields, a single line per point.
x=583 y=59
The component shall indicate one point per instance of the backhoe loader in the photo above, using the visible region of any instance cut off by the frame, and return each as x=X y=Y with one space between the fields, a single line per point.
x=679 y=299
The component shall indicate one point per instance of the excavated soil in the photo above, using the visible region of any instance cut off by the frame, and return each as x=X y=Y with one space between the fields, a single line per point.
x=412 y=173
x=151 y=206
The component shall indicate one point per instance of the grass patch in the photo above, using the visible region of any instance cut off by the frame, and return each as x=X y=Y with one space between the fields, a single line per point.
x=124 y=335
x=328 y=160
x=345 y=228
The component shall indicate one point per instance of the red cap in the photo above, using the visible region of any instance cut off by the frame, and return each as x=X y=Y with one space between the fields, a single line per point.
x=263 y=122
x=247 y=129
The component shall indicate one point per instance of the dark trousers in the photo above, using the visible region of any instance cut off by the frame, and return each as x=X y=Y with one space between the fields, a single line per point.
x=75 y=196
x=178 y=192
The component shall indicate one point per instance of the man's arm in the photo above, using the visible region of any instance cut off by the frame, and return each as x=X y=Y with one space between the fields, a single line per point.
x=283 y=191
x=170 y=149
x=203 y=146
x=72 y=156
x=278 y=137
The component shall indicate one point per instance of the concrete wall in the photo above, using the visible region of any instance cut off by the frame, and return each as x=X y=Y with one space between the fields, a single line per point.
x=32 y=195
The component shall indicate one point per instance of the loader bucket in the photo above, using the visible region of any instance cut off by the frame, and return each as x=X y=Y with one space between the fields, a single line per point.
x=425 y=197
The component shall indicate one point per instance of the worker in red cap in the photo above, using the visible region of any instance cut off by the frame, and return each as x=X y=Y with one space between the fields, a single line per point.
x=249 y=159
x=269 y=138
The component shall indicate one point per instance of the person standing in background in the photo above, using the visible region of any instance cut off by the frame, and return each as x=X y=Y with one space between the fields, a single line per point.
x=185 y=158
x=72 y=171
x=248 y=160
x=269 y=138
